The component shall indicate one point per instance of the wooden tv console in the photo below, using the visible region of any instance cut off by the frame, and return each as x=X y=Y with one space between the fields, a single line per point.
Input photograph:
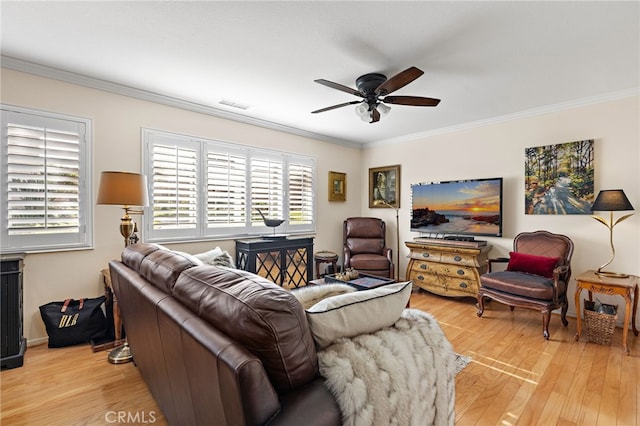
x=447 y=269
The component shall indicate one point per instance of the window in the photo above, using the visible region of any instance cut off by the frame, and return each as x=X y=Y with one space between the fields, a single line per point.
x=202 y=189
x=46 y=181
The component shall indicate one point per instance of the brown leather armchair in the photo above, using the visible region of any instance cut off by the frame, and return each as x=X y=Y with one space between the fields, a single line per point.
x=537 y=276
x=365 y=246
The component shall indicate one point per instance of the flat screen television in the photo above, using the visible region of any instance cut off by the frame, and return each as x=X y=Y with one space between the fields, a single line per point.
x=457 y=208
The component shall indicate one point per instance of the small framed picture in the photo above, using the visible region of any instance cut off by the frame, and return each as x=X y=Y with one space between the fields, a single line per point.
x=337 y=186
x=384 y=187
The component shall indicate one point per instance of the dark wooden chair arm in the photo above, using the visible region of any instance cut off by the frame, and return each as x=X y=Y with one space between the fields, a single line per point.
x=496 y=260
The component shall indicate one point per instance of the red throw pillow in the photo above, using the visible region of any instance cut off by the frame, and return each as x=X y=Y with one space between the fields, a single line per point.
x=532 y=264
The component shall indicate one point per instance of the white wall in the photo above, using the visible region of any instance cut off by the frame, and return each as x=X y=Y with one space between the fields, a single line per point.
x=497 y=150
x=117 y=123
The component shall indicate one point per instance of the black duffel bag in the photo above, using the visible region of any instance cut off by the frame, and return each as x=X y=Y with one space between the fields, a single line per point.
x=74 y=321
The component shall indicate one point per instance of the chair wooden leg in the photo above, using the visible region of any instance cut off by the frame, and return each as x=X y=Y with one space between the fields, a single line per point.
x=563 y=313
x=480 y=305
x=546 y=316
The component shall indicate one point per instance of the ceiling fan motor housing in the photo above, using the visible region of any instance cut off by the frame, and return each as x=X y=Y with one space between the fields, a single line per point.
x=367 y=85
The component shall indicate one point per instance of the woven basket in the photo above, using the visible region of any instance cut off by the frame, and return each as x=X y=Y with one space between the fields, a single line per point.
x=599 y=326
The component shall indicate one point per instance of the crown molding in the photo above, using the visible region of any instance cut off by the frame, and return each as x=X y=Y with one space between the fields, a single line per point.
x=120 y=89
x=627 y=93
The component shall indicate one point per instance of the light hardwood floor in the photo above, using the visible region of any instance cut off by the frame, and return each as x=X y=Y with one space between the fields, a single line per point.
x=515 y=377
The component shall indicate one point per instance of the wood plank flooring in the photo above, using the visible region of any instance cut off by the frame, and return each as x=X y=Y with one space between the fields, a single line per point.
x=515 y=378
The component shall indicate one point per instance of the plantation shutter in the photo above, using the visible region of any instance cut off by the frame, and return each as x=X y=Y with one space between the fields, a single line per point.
x=300 y=193
x=42 y=182
x=175 y=187
x=226 y=189
x=45 y=203
x=267 y=175
x=203 y=189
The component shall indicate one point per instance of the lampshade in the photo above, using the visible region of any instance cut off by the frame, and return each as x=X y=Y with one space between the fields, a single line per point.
x=611 y=200
x=123 y=188
x=362 y=110
x=383 y=109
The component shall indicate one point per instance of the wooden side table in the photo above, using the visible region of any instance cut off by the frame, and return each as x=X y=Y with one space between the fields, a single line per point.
x=325 y=256
x=594 y=283
x=117 y=318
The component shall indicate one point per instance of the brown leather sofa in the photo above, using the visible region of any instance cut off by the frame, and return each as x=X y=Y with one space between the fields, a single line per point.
x=219 y=346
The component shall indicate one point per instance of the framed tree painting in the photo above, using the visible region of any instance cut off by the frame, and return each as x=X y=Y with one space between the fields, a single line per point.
x=384 y=187
x=337 y=186
x=559 y=179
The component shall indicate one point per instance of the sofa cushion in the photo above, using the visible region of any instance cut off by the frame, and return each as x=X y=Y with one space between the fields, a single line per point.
x=309 y=295
x=351 y=314
x=521 y=284
x=532 y=264
x=158 y=265
x=365 y=245
x=265 y=318
x=369 y=261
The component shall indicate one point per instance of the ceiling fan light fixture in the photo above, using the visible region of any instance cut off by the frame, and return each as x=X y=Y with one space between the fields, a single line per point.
x=362 y=111
x=373 y=89
x=383 y=109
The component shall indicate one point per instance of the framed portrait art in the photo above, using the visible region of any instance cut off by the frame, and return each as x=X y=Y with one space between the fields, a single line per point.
x=337 y=186
x=384 y=187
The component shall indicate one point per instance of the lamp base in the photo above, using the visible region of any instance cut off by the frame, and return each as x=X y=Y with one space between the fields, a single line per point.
x=121 y=355
x=611 y=274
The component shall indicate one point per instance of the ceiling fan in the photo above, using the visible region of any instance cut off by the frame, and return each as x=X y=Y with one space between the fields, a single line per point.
x=374 y=88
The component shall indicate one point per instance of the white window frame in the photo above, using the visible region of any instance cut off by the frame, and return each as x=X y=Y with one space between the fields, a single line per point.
x=253 y=225
x=43 y=240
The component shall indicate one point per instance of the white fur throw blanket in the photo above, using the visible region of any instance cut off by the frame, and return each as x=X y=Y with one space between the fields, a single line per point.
x=401 y=375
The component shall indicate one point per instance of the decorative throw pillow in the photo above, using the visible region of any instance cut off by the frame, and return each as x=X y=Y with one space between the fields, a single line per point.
x=351 y=314
x=216 y=257
x=309 y=295
x=532 y=264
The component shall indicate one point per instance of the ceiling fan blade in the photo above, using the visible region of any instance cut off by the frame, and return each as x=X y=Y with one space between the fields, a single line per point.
x=338 y=87
x=335 y=106
x=399 y=80
x=375 y=115
x=411 y=100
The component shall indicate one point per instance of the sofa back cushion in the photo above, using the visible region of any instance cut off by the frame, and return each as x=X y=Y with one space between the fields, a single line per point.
x=160 y=266
x=265 y=318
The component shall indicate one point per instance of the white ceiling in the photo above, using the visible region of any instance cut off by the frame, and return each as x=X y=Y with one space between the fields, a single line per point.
x=485 y=60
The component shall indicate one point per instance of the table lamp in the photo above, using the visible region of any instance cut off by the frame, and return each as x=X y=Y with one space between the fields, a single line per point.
x=611 y=200
x=125 y=189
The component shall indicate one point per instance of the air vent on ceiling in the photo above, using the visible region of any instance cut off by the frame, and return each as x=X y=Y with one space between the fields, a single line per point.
x=234 y=104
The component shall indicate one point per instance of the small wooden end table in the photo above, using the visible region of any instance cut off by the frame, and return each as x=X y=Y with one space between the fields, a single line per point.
x=595 y=283
x=117 y=317
x=325 y=257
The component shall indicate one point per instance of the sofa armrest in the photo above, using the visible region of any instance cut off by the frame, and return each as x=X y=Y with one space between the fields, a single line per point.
x=309 y=405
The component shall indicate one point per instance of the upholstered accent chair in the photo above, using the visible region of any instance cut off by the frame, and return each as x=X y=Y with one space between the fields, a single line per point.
x=365 y=246
x=536 y=277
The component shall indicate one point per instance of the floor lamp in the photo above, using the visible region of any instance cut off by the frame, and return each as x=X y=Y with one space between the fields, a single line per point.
x=611 y=200
x=397 y=268
x=124 y=189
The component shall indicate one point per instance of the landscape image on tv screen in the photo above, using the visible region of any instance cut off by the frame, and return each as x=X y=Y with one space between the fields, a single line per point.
x=465 y=207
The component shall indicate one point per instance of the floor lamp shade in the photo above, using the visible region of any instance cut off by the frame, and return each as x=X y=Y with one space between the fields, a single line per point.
x=123 y=188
